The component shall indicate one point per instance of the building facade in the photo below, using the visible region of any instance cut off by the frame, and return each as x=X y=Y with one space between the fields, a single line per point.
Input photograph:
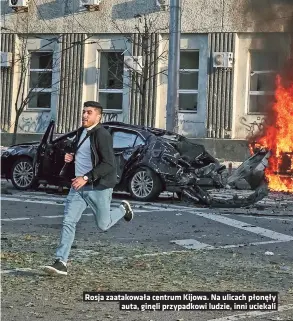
x=58 y=54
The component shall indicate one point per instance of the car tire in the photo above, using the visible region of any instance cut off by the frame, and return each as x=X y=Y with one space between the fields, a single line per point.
x=145 y=185
x=22 y=174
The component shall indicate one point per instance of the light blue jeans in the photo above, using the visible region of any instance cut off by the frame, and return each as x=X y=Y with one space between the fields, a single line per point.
x=77 y=201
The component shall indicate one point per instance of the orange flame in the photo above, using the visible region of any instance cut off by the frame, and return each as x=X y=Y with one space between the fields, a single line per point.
x=278 y=138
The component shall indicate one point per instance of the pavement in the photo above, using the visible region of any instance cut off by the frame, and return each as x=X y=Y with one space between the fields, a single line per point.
x=169 y=246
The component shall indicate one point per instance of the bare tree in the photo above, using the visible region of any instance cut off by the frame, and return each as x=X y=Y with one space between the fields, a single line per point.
x=37 y=82
x=27 y=85
x=145 y=56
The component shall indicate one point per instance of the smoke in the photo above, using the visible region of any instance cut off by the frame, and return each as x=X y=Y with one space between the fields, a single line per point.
x=275 y=19
x=272 y=23
x=268 y=15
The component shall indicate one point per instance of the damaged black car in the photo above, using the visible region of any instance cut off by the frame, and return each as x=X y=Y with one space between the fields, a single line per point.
x=149 y=161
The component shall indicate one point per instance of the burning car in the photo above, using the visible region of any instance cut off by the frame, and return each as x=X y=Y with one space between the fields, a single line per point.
x=149 y=161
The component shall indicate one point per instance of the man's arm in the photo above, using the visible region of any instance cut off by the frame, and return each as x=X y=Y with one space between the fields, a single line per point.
x=106 y=158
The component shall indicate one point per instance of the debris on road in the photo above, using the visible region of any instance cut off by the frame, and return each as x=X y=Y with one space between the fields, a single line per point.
x=269 y=253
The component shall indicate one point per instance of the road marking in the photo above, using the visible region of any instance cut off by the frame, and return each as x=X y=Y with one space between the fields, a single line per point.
x=45 y=196
x=244 y=226
x=14 y=199
x=16 y=219
x=61 y=202
x=40 y=195
x=251 y=314
x=52 y=216
x=57 y=216
x=265 y=217
x=192 y=244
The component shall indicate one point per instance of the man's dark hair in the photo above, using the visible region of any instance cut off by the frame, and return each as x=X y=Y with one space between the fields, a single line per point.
x=94 y=104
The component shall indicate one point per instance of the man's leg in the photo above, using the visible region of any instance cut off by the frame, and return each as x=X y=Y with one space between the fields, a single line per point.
x=74 y=207
x=100 y=202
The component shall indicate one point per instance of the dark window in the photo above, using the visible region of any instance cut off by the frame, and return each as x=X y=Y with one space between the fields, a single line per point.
x=111 y=79
x=263 y=66
x=41 y=60
x=40 y=80
x=188 y=82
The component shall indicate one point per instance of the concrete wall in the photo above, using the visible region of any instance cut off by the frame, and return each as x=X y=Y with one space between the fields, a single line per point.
x=70 y=82
x=223 y=149
x=191 y=124
x=204 y=24
x=220 y=91
x=201 y=16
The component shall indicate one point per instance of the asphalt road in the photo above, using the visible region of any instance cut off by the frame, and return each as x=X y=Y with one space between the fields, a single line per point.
x=169 y=246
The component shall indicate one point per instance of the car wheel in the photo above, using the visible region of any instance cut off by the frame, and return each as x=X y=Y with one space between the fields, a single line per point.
x=145 y=185
x=22 y=175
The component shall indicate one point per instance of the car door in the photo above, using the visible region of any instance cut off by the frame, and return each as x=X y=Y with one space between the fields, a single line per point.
x=50 y=155
x=59 y=147
x=41 y=160
x=124 y=143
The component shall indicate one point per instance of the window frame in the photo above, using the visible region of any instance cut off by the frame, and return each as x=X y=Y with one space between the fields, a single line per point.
x=110 y=91
x=43 y=90
x=257 y=92
x=188 y=91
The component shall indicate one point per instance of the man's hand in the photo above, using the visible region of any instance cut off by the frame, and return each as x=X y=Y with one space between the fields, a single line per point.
x=68 y=158
x=78 y=182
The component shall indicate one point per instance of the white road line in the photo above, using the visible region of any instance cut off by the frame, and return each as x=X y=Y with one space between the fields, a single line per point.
x=40 y=195
x=265 y=217
x=50 y=201
x=32 y=196
x=63 y=199
x=52 y=216
x=251 y=314
x=57 y=216
x=192 y=244
x=245 y=226
x=16 y=219
x=30 y=201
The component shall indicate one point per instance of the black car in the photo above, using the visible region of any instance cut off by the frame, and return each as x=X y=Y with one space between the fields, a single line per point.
x=146 y=160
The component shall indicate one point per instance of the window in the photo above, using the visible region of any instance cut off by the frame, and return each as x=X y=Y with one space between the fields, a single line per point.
x=123 y=139
x=111 y=79
x=263 y=66
x=139 y=141
x=40 y=80
x=188 y=81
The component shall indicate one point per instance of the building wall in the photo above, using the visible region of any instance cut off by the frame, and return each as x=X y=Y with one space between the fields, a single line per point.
x=93 y=48
x=71 y=82
x=7 y=45
x=207 y=26
x=192 y=124
x=245 y=123
x=220 y=92
x=136 y=104
x=201 y=16
x=36 y=120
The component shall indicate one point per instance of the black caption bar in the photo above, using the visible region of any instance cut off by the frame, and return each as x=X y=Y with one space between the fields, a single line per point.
x=188 y=301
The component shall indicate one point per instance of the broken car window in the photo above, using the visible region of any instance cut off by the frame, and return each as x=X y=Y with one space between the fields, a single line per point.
x=123 y=139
